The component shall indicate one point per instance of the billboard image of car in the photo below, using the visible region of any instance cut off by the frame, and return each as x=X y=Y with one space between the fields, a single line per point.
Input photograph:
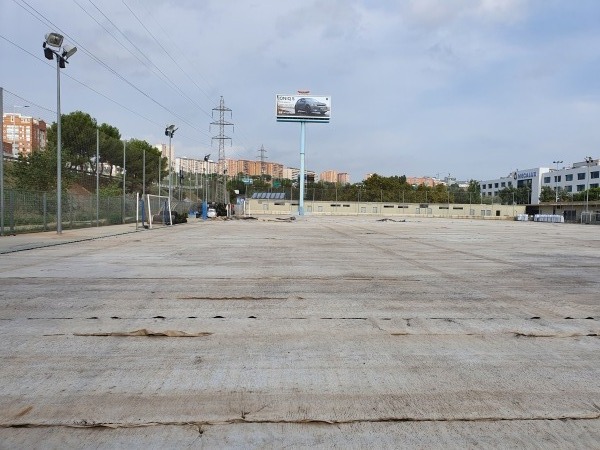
x=303 y=108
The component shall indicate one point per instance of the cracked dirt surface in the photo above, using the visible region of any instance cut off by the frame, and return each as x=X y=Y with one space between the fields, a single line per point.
x=324 y=332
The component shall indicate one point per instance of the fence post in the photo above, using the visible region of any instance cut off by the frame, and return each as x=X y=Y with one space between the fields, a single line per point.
x=45 y=209
x=97 y=175
x=91 y=209
x=11 y=211
x=70 y=198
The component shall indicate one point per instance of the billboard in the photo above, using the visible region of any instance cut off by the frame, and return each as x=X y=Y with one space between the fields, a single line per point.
x=303 y=108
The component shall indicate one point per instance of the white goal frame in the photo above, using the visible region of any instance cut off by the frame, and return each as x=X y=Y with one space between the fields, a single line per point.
x=162 y=199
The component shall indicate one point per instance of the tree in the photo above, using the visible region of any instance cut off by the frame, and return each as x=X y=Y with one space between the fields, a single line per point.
x=507 y=195
x=378 y=188
x=439 y=194
x=111 y=147
x=523 y=195
x=78 y=139
x=474 y=190
x=134 y=163
x=591 y=194
x=36 y=171
x=547 y=195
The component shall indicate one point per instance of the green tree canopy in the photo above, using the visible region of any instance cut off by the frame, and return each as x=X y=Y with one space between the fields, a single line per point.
x=111 y=147
x=548 y=194
x=36 y=171
x=78 y=138
x=508 y=195
x=134 y=163
x=474 y=189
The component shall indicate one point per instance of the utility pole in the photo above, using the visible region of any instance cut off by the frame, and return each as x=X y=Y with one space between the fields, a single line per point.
x=221 y=192
x=263 y=165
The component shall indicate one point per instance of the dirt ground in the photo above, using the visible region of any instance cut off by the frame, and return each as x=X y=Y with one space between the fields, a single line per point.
x=321 y=332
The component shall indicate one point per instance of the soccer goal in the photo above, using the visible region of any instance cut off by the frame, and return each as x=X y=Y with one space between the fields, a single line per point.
x=157 y=210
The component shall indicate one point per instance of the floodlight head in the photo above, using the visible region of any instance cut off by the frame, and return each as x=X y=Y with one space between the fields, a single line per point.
x=54 y=39
x=170 y=130
x=48 y=53
x=68 y=51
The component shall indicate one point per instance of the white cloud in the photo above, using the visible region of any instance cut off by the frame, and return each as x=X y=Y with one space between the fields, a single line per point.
x=502 y=10
x=444 y=13
x=469 y=86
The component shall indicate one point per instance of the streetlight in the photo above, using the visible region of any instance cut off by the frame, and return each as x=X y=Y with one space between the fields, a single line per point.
x=556 y=180
x=53 y=46
x=170 y=131
x=15 y=148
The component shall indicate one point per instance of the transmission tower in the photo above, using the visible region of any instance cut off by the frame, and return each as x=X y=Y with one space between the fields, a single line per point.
x=263 y=165
x=221 y=189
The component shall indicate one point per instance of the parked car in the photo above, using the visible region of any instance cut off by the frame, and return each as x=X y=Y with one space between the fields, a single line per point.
x=310 y=106
x=212 y=212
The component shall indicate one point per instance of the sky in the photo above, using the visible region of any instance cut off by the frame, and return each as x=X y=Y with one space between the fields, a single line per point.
x=474 y=89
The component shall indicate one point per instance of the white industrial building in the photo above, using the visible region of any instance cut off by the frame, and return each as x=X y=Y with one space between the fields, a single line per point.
x=578 y=177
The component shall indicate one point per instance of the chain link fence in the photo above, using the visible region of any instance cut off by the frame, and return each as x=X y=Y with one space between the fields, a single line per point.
x=354 y=194
x=26 y=211
x=100 y=173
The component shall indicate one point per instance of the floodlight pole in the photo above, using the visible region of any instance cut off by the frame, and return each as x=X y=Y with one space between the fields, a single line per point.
x=97 y=177
x=144 y=173
x=170 y=167
x=170 y=131
x=58 y=152
x=302 y=144
x=56 y=40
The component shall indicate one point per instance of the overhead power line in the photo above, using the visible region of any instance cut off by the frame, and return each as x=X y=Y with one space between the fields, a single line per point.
x=40 y=17
x=169 y=52
x=172 y=44
x=150 y=65
x=81 y=83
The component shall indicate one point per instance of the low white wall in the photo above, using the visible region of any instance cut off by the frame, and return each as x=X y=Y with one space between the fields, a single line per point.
x=286 y=207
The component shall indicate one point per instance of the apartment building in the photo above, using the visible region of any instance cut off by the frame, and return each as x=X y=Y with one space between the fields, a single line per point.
x=343 y=178
x=22 y=134
x=426 y=181
x=293 y=173
x=199 y=166
x=254 y=168
x=331 y=176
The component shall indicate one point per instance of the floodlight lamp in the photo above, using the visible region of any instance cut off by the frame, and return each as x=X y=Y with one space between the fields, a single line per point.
x=54 y=39
x=48 y=53
x=170 y=130
x=68 y=51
